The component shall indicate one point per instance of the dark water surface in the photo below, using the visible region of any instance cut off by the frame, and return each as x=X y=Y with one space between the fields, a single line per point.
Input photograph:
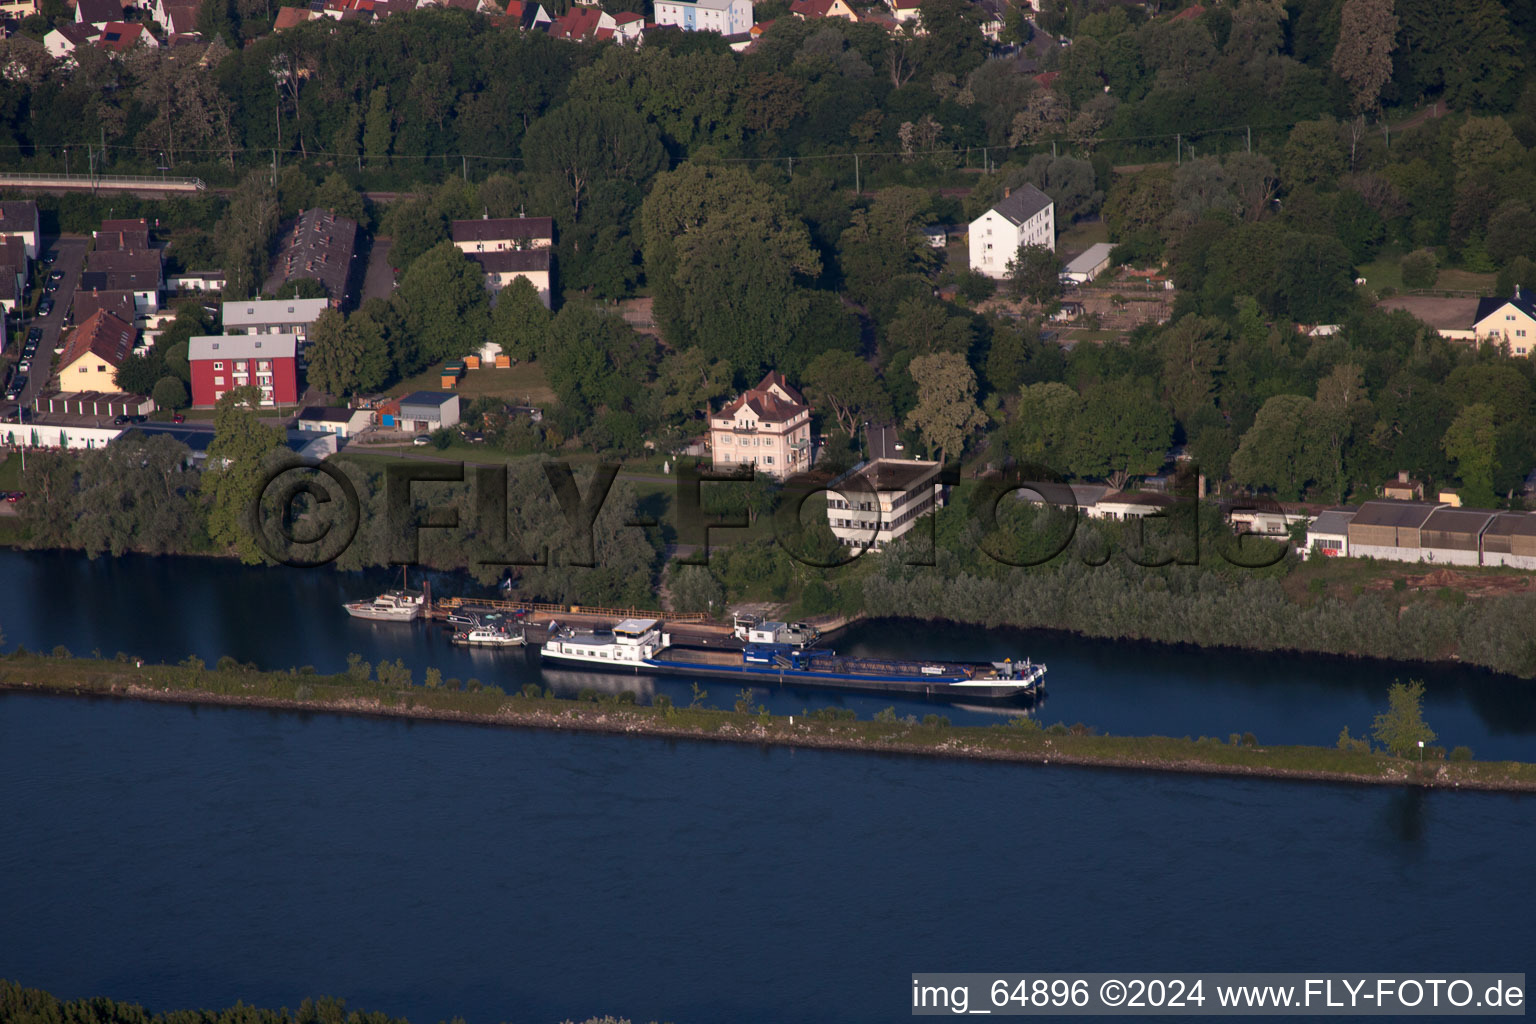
x=191 y=857
x=164 y=609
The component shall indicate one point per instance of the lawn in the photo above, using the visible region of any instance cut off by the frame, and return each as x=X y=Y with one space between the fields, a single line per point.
x=523 y=384
x=1386 y=272
x=1080 y=236
x=10 y=473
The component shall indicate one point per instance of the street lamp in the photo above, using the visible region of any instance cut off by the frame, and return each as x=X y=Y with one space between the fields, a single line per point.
x=66 y=161
x=1421 y=751
x=163 y=167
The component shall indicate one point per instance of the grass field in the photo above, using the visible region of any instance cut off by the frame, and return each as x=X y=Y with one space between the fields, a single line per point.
x=523 y=384
x=1386 y=272
x=1080 y=236
x=10 y=473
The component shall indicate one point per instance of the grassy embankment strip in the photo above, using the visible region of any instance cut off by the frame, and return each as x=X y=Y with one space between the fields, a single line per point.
x=341 y=694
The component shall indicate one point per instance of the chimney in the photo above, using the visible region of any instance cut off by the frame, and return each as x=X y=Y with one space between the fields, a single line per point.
x=1402 y=476
x=1007 y=192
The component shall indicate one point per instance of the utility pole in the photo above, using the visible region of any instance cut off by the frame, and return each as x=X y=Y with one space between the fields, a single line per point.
x=464 y=164
x=274 y=168
x=1053 y=149
x=856 y=189
x=1249 y=130
x=1178 y=149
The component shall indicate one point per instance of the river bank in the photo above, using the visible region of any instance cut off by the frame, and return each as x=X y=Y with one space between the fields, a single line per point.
x=1020 y=741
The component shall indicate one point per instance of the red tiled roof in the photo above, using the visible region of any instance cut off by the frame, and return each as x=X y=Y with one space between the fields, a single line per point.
x=120 y=36
x=578 y=23
x=288 y=17
x=1188 y=13
x=103 y=335
x=1046 y=79
x=767 y=405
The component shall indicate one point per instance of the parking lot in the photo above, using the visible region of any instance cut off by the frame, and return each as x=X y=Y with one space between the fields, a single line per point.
x=69 y=261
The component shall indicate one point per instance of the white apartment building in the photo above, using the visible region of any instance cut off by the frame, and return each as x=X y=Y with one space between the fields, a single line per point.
x=1025 y=216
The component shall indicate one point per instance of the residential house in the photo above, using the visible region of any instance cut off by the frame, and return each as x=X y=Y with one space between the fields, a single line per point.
x=14 y=262
x=66 y=37
x=809 y=10
x=273 y=316
x=122 y=235
x=495 y=234
x=288 y=17
x=768 y=427
x=98 y=13
x=584 y=25
x=1024 y=216
x=58 y=435
x=15 y=10
x=1404 y=488
x=121 y=36
x=10 y=295
x=321 y=247
x=503 y=267
x=90 y=301
x=629 y=28
x=906 y=12
x=994 y=14
x=266 y=361
x=18 y=219
x=1093 y=262
x=1124 y=505
x=176 y=17
x=876 y=502
x=1079 y=496
x=426 y=411
x=338 y=420
x=1328 y=534
x=197 y=280
x=93 y=353
x=137 y=272
x=727 y=17
x=528 y=16
x=1508 y=322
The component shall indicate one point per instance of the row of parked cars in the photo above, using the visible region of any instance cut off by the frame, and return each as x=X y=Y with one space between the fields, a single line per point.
x=17 y=384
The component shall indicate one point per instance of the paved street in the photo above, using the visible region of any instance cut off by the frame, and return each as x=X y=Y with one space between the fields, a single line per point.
x=379 y=281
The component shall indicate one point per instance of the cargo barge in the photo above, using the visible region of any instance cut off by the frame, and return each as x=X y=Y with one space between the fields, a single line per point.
x=640 y=645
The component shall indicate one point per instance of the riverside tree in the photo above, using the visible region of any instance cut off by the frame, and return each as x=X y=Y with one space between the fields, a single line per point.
x=241 y=443
x=1401 y=728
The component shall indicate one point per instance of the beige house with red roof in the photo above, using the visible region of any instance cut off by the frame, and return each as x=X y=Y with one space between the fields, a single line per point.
x=812 y=9
x=93 y=353
x=768 y=427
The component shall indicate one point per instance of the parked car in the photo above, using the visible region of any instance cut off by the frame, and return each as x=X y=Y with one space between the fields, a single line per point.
x=422 y=440
x=14 y=496
x=34 y=335
x=45 y=308
x=17 y=387
x=57 y=275
x=50 y=287
x=178 y=418
x=25 y=366
x=49 y=257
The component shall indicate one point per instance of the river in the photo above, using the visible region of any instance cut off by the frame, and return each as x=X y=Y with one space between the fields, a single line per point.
x=167 y=608
x=194 y=856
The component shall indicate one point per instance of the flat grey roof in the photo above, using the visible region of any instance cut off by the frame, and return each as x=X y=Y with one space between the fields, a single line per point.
x=1394 y=513
x=432 y=399
x=273 y=311
x=894 y=474
x=1335 y=520
x=242 y=346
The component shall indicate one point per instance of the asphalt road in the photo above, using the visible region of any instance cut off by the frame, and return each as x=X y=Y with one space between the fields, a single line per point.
x=71 y=260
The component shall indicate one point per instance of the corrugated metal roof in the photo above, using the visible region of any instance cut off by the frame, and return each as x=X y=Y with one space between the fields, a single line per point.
x=1459 y=520
x=1512 y=524
x=1410 y=514
x=1333 y=521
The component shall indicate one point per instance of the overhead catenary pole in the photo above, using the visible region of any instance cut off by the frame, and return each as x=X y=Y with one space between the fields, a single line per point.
x=856 y=189
x=1249 y=130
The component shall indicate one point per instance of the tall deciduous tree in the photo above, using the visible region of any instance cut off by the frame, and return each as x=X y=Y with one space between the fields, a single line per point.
x=1192 y=351
x=845 y=385
x=378 y=127
x=1401 y=728
x=1363 y=58
x=946 y=412
x=443 y=306
x=1471 y=443
x=1035 y=273
x=519 y=320
x=1282 y=451
x=233 y=475
x=244 y=234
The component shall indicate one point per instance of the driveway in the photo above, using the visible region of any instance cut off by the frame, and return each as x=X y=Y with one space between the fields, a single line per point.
x=379 y=281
